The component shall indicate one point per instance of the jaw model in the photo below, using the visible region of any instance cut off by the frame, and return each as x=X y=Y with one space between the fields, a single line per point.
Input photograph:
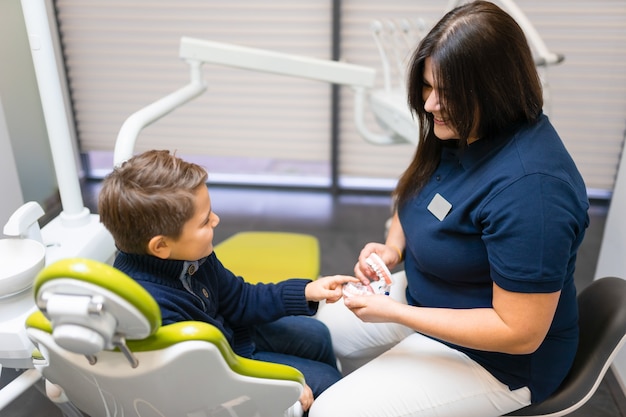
x=380 y=286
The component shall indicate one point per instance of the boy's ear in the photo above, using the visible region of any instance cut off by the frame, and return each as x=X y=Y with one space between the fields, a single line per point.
x=158 y=246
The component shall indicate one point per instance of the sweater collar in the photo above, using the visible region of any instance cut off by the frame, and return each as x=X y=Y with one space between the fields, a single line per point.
x=161 y=270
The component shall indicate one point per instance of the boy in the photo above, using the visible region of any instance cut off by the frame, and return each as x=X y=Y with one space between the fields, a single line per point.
x=158 y=209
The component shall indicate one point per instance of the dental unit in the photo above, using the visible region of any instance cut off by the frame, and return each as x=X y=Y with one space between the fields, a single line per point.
x=78 y=233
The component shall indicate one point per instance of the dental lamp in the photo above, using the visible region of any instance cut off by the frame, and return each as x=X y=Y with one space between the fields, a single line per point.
x=393 y=115
x=387 y=104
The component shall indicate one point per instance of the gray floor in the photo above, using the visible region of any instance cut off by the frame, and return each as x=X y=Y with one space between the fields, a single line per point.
x=343 y=225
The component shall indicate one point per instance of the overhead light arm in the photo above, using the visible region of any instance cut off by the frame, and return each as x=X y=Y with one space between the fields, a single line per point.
x=197 y=52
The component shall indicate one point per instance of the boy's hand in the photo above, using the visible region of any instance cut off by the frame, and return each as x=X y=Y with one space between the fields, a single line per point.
x=306 y=398
x=327 y=288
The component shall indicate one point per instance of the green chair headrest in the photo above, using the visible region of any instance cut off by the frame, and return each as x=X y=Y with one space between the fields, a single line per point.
x=105 y=276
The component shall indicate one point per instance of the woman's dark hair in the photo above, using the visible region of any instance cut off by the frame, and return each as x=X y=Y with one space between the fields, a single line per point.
x=486 y=81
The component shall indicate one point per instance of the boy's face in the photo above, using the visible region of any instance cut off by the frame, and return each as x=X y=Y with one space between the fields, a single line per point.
x=196 y=241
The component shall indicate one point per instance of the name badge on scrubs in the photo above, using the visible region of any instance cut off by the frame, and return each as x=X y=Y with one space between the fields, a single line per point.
x=439 y=207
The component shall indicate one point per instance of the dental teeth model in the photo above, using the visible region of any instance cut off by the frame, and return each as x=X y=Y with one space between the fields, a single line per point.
x=375 y=287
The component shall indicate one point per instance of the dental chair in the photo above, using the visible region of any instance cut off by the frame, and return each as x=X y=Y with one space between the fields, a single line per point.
x=103 y=351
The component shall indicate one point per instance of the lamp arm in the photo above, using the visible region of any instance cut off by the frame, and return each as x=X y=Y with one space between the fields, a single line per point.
x=197 y=51
x=359 y=112
x=127 y=135
x=280 y=63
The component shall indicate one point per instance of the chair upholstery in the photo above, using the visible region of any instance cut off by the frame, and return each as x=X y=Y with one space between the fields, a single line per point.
x=602 y=311
x=270 y=256
x=141 y=368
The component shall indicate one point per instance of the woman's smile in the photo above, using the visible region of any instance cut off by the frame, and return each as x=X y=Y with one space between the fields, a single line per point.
x=438 y=121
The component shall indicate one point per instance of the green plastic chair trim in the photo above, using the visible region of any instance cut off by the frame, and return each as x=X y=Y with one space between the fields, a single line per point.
x=108 y=277
x=38 y=321
x=171 y=334
x=105 y=276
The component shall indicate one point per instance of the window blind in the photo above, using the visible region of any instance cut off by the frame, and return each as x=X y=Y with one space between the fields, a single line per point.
x=122 y=55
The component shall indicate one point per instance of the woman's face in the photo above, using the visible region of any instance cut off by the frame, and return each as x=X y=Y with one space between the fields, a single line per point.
x=442 y=128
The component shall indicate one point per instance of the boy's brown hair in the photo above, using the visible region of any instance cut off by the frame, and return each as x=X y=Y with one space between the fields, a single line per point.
x=151 y=194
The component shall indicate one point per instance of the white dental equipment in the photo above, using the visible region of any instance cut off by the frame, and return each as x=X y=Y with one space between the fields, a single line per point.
x=197 y=52
x=106 y=353
x=22 y=256
x=75 y=232
x=389 y=104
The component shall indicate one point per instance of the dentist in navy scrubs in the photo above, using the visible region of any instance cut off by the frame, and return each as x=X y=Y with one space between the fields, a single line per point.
x=489 y=217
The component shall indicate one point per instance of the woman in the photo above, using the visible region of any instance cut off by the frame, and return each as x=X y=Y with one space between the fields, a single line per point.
x=489 y=217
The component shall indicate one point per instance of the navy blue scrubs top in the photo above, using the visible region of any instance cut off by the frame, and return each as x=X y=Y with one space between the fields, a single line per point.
x=513 y=211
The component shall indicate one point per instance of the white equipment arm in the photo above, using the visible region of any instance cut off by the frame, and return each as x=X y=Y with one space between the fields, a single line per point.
x=197 y=52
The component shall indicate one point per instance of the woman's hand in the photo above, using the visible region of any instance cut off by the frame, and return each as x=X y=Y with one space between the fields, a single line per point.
x=374 y=308
x=389 y=255
x=390 y=252
x=516 y=324
x=327 y=288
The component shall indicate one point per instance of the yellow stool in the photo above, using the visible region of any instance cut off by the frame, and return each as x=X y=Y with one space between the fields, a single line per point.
x=270 y=256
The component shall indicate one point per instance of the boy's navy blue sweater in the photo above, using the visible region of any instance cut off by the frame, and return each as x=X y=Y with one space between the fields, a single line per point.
x=206 y=291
